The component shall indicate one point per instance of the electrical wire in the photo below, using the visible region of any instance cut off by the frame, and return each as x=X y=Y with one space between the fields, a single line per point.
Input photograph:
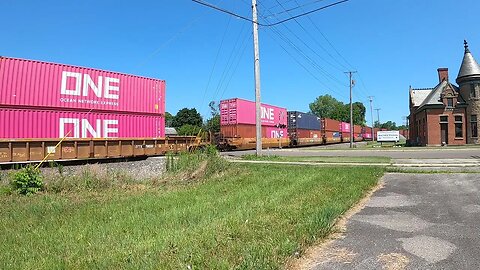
x=215 y=61
x=305 y=56
x=313 y=38
x=271 y=24
x=292 y=9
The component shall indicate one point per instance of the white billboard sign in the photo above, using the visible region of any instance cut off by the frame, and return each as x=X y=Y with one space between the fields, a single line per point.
x=388 y=136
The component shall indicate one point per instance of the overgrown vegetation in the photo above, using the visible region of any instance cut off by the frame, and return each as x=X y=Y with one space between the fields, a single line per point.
x=202 y=163
x=213 y=215
x=26 y=181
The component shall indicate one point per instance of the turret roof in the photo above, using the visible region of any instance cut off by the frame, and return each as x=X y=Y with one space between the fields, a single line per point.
x=469 y=67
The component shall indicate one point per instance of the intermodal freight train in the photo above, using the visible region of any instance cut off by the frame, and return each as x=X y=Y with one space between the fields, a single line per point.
x=56 y=112
x=280 y=128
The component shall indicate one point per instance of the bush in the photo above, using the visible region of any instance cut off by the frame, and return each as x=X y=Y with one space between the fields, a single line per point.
x=27 y=181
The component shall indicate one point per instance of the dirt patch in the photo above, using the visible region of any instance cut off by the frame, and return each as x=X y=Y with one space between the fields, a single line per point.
x=320 y=252
x=393 y=261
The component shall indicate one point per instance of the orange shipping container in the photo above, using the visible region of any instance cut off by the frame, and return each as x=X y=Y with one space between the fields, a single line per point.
x=330 y=125
x=305 y=133
x=249 y=131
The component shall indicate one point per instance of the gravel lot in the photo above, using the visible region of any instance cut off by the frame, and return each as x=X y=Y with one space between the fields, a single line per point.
x=138 y=170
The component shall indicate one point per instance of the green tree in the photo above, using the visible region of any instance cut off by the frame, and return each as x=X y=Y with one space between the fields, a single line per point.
x=213 y=123
x=168 y=119
x=187 y=117
x=327 y=106
x=188 y=130
x=387 y=125
x=358 y=113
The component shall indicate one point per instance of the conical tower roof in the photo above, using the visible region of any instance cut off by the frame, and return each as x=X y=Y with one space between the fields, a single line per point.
x=470 y=68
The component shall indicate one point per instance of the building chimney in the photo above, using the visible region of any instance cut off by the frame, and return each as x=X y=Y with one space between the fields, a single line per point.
x=442 y=74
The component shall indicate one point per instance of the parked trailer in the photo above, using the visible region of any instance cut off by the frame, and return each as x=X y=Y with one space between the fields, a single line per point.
x=34 y=150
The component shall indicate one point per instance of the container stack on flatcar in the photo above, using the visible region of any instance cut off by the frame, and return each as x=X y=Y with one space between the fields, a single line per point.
x=49 y=100
x=237 y=125
x=367 y=133
x=345 y=131
x=331 y=130
x=304 y=129
x=357 y=133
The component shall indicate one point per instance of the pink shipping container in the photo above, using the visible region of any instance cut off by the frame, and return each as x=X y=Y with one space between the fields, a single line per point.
x=344 y=127
x=28 y=83
x=22 y=123
x=238 y=111
x=367 y=135
x=273 y=132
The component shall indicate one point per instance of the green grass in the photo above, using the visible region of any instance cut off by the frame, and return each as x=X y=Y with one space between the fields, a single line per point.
x=339 y=159
x=251 y=216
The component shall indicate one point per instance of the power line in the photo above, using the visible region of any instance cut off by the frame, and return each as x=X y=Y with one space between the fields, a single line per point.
x=272 y=24
x=309 y=12
x=294 y=8
x=236 y=66
x=224 y=11
x=305 y=56
x=328 y=41
x=215 y=61
x=295 y=58
x=305 y=30
x=230 y=62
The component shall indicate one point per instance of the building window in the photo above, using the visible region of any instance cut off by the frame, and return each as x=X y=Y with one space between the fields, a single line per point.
x=449 y=102
x=458 y=126
x=473 y=92
x=443 y=119
x=473 y=125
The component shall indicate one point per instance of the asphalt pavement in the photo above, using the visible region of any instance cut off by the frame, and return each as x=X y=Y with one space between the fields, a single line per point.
x=416 y=221
x=396 y=153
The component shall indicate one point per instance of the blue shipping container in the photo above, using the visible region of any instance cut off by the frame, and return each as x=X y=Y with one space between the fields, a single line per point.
x=299 y=120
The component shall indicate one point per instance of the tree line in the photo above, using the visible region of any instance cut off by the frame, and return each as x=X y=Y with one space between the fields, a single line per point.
x=327 y=106
x=190 y=122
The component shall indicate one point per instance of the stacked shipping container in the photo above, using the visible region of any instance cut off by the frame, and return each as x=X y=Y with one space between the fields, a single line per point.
x=304 y=126
x=357 y=133
x=345 y=131
x=367 y=133
x=48 y=100
x=237 y=119
x=331 y=130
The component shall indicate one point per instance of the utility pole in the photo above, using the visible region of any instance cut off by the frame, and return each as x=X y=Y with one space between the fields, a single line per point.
x=258 y=121
x=351 y=107
x=371 y=112
x=378 y=115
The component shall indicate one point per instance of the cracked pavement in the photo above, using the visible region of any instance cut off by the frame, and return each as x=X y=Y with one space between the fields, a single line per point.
x=416 y=221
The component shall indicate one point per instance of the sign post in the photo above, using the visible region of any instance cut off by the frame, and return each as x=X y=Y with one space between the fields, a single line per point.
x=388 y=136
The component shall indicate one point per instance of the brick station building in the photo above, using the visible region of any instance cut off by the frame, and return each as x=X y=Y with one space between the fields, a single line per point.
x=447 y=114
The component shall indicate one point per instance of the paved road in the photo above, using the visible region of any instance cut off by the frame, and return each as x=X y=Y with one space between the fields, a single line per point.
x=428 y=221
x=448 y=153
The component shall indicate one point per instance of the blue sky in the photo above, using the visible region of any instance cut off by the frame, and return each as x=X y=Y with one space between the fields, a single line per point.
x=207 y=55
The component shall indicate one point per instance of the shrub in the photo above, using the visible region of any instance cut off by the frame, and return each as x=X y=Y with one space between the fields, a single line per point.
x=27 y=180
